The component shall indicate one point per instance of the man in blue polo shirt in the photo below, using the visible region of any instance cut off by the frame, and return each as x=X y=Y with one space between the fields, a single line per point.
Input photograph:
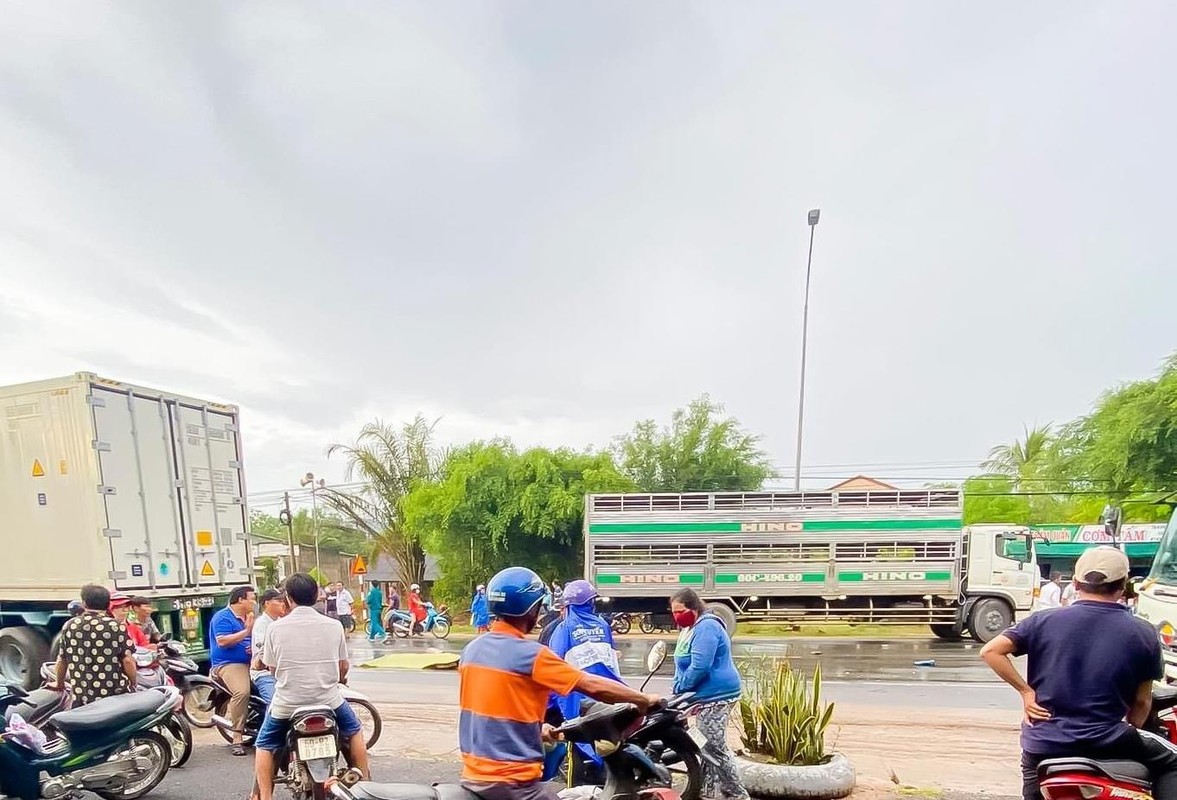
x=1090 y=668
x=231 y=651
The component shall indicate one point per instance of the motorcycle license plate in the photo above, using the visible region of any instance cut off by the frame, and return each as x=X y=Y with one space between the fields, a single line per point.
x=697 y=737
x=313 y=747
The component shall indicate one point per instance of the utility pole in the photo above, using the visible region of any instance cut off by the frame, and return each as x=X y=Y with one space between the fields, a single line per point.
x=286 y=519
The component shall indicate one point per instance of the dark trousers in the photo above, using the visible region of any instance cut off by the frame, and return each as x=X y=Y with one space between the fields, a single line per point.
x=1145 y=748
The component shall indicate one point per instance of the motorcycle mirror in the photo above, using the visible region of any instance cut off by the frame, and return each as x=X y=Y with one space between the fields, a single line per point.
x=656 y=657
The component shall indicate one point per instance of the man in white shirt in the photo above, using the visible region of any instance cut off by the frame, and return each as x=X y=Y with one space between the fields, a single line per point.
x=1052 y=593
x=273 y=604
x=343 y=607
x=307 y=653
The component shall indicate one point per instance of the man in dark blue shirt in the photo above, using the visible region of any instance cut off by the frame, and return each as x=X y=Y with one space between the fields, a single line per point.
x=231 y=650
x=1089 y=674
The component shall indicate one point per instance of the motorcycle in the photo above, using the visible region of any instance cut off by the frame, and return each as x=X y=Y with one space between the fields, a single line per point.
x=1090 y=779
x=656 y=623
x=309 y=759
x=630 y=772
x=109 y=747
x=208 y=707
x=152 y=672
x=437 y=621
x=665 y=737
x=620 y=622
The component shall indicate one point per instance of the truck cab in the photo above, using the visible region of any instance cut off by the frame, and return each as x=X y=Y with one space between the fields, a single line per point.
x=1157 y=597
x=1001 y=576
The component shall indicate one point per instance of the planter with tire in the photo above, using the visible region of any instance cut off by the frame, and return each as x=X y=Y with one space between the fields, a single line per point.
x=783 y=724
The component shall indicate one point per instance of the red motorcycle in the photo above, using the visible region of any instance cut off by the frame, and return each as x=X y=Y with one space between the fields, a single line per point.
x=1089 y=779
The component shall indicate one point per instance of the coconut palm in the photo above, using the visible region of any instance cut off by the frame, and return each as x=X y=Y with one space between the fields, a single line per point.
x=1018 y=458
x=387 y=462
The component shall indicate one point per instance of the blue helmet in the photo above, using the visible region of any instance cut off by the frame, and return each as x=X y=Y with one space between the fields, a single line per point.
x=514 y=592
x=578 y=593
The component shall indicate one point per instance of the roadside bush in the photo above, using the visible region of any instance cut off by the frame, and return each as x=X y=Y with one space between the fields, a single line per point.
x=782 y=715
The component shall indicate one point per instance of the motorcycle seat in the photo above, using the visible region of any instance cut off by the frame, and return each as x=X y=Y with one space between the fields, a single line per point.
x=107 y=713
x=1128 y=771
x=35 y=706
x=1164 y=697
x=411 y=791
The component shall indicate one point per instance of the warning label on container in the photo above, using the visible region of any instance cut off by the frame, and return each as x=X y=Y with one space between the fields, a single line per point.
x=207 y=570
x=204 y=539
x=38 y=470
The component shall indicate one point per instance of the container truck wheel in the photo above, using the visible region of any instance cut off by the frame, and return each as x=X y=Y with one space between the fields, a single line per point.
x=946 y=631
x=990 y=616
x=22 y=652
x=725 y=614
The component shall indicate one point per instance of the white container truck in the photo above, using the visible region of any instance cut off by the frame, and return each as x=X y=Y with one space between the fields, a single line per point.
x=104 y=482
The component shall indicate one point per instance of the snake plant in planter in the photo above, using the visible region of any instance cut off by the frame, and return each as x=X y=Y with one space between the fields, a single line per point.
x=783 y=722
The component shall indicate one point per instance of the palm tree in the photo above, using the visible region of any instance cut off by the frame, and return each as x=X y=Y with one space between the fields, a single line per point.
x=1018 y=458
x=388 y=463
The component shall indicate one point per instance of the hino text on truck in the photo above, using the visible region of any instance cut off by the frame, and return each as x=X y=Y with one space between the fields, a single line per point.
x=884 y=557
x=133 y=488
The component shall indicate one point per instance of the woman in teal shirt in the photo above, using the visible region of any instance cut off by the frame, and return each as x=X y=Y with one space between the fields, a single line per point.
x=375 y=603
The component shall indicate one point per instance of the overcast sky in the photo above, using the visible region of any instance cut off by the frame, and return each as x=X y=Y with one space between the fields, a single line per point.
x=549 y=219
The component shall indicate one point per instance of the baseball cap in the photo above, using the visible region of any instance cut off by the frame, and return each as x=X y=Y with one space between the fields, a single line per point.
x=118 y=600
x=1099 y=565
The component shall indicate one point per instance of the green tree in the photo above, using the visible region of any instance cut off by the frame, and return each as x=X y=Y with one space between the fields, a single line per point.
x=1020 y=458
x=994 y=498
x=389 y=462
x=1128 y=444
x=496 y=506
x=699 y=451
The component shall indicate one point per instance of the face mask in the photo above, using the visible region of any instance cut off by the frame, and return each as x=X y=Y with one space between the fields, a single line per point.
x=685 y=619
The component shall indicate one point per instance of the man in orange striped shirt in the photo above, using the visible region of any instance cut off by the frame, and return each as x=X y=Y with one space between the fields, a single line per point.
x=506 y=680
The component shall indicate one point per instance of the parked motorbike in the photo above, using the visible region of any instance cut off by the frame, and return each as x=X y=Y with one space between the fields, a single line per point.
x=152 y=672
x=310 y=757
x=656 y=623
x=208 y=707
x=437 y=621
x=620 y=622
x=1089 y=779
x=43 y=703
x=108 y=747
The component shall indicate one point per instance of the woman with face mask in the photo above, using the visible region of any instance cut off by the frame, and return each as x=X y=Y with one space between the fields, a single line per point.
x=703 y=664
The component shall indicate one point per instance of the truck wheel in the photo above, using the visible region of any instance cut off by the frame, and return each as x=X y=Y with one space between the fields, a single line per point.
x=725 y=614
x=22 y=652
x=946 y=631
x=990 y=616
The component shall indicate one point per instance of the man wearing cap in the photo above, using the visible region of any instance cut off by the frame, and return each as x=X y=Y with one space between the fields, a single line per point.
x=1089 y=674
x=120 y=609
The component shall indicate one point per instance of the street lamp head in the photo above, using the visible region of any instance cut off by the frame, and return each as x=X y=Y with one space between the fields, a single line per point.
x=814 y=215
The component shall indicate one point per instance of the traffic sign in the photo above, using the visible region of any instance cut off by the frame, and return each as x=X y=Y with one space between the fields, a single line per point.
x=359 y=566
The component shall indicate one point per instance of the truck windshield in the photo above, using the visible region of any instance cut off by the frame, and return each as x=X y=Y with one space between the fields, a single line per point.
x=1164 y=566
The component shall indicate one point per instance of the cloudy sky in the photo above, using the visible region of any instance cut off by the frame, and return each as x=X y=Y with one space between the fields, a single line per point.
x=547 y=220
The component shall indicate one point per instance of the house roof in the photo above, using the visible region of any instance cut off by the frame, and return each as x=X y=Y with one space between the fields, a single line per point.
x=862 y=483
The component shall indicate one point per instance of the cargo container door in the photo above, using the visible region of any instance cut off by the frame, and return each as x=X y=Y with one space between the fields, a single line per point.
x=209 y=458
x=138 y=488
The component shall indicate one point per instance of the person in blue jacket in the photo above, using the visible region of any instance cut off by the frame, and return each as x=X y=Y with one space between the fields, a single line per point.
x=703 y=664
x=480 y=610
x=584 y=640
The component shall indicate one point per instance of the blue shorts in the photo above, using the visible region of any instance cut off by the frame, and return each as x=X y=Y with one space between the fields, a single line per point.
x=271 y=737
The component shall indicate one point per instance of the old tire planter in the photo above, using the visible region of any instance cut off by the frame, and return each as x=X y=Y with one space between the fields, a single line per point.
x=780 y=782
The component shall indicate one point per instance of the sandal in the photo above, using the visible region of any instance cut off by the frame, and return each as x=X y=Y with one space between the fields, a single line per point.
x=239 y=750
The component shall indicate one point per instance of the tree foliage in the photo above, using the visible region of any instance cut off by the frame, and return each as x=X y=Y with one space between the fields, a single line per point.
x=495 y=506
x=389 y=462
x=699 y=451
x=1124 y=451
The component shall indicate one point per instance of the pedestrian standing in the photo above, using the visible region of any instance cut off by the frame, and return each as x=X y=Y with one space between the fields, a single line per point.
x=96 y=658
x=343 y=607
x=330 y=596
x=703 y=665
x=375 y=603
x=231 y=649
x=480 y=610
x=1051 y=595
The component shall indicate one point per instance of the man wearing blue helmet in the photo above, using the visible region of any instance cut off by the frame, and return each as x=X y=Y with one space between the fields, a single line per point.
x=505 y=681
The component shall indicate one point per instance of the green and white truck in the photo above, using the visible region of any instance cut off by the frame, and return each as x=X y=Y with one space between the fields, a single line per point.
x=106 y=482
x=879 y=557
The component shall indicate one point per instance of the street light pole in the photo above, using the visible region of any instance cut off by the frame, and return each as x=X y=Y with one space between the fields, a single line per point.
x=309 y=480
x=814 y=215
